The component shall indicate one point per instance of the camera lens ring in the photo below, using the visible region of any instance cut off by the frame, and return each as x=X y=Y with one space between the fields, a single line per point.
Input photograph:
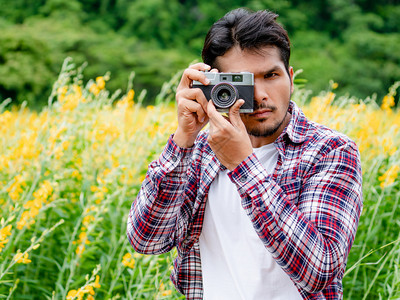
x=224 y=95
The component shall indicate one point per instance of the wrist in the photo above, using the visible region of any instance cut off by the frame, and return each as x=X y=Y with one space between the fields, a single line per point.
x=183 y=140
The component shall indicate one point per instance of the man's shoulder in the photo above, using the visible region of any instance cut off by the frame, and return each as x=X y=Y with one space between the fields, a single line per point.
x=314 y=134
x=324 y=140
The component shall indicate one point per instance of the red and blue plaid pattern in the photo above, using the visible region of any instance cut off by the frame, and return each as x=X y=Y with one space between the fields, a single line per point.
x=306 y=213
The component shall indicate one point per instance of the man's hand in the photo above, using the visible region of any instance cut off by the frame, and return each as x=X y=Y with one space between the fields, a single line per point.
x=192 y=106
x=228 y=138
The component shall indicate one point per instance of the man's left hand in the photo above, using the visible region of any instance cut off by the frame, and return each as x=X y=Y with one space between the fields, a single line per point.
x=228 y=137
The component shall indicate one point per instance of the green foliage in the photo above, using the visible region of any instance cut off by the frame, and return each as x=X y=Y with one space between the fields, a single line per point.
x=32 y=54
x=24 y=74
x=353 y=43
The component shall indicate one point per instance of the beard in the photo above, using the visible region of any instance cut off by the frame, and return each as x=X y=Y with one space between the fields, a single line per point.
x=264 y=130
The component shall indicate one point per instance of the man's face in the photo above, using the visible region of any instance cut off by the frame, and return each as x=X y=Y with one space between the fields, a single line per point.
x=272 y=90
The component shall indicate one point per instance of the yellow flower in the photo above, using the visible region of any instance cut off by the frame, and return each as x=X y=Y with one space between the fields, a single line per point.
x=75 y=294
x=389 y=176
x=83 y=238
x=96 y=284
x=128 y=261
x=387 y=102
x=130 y=95
x=21 y=258
x=87 y=220
x=15 y=189
x=80 y=249
x=33 y=206
x=100 y=82
x=4 y=233
x=70 y=102
x=26 y=219
x=61 y=92
x=64 y=145
x=72 y=294
x=166 y=293
x=88 y=289
x=94 y=89
x=76 y=174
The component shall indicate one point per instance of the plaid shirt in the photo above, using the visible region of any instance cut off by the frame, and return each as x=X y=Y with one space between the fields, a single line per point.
x=306 y=213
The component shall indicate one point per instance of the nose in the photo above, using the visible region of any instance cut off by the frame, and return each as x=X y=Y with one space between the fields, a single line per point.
x=260 y=92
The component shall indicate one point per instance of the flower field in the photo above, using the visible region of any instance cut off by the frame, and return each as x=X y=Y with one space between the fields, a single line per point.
x=69 y=173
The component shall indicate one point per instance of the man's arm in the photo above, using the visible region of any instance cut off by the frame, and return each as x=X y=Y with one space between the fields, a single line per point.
x=152 y=218
x=309 y=239
x=152 y=223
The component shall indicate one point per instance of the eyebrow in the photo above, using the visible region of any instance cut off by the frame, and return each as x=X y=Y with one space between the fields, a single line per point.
x=271 y=70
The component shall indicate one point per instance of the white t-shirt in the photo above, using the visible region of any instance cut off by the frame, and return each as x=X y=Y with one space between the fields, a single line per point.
x=235 y=263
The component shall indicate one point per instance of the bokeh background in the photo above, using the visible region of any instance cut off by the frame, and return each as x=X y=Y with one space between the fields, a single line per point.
x=353 y=42
x=87 y=102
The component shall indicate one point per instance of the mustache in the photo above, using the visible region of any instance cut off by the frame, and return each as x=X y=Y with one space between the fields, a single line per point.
x=262 y=105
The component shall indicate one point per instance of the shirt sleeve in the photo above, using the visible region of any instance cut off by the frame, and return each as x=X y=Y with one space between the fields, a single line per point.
x=311 y=238
x=151 y=225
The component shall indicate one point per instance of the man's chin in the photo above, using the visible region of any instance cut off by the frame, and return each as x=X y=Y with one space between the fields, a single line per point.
x=266 y=132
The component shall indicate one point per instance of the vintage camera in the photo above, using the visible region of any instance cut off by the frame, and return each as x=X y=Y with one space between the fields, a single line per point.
x=225 y=88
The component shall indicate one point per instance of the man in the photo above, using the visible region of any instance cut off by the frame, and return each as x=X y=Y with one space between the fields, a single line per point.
x=263 y=205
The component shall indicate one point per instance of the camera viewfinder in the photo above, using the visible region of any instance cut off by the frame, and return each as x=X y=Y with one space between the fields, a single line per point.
x=237 y=78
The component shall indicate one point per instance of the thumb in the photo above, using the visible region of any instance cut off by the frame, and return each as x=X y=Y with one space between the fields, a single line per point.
x=234 y=115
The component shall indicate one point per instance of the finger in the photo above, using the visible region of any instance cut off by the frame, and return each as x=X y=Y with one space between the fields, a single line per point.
x=198 y=109
x=216 y=119
x=194 y=95
x=214 y=70
x=200 y=66
x=194 y=72
x=201 y=115
x=187 y=108
x=234 y=115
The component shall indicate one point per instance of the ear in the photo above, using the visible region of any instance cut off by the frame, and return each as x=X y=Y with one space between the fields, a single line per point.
x=291 y=75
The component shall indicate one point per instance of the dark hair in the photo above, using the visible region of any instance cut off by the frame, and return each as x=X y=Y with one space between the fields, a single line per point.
x=248 y=30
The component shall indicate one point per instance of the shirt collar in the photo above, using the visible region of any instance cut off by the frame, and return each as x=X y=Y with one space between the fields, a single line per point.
x=298 y=126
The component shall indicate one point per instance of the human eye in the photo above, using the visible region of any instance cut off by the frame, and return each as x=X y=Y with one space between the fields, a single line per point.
x=271 y=75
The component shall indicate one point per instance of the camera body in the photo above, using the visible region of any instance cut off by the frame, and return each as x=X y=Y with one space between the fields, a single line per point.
x=225 y=88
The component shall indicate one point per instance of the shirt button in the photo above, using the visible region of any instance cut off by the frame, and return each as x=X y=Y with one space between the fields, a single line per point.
x=174 y=158
x=243 y=179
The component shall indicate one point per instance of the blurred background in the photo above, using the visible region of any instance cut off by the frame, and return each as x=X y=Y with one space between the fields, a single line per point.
x=352 y=42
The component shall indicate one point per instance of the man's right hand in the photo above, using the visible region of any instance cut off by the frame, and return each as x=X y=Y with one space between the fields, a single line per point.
x=192 y=106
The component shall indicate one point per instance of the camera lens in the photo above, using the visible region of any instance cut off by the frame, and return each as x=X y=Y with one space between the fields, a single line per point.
x=224 y=95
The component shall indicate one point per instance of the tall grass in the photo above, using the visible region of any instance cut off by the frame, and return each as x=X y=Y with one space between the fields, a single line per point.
x=69 y=173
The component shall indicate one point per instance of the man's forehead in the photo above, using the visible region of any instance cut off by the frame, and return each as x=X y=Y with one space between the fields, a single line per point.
x=250 y=60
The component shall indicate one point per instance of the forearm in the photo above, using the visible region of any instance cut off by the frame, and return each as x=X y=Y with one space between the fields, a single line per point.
x=152 y=218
